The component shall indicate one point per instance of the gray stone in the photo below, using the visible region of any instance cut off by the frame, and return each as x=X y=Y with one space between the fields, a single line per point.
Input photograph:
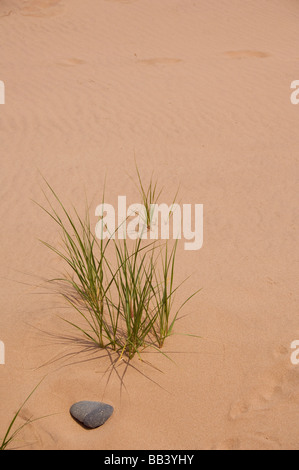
x=91 y=414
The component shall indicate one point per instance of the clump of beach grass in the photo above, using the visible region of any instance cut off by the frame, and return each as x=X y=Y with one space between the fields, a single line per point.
x=125 y=297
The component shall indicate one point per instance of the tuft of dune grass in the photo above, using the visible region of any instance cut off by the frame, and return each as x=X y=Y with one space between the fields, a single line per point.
x=125 y=298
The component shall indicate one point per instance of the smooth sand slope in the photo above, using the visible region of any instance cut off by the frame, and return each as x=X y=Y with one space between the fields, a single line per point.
x=199 y=91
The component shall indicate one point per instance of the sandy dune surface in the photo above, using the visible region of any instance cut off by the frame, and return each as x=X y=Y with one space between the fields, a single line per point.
x=199 y=91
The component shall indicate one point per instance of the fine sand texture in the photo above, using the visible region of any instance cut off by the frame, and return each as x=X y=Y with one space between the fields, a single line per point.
x=198 y=91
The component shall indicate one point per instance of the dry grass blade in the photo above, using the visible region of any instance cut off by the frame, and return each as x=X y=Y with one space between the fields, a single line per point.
x=10 y=434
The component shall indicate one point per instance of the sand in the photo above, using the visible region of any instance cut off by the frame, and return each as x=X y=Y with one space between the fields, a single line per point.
x=199 y=91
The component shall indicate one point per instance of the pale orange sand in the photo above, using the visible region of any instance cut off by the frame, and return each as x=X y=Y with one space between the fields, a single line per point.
x=200 y=91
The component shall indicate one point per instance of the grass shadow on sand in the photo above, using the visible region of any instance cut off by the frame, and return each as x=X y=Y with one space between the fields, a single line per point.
x=77 y=350
x=84 y=351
